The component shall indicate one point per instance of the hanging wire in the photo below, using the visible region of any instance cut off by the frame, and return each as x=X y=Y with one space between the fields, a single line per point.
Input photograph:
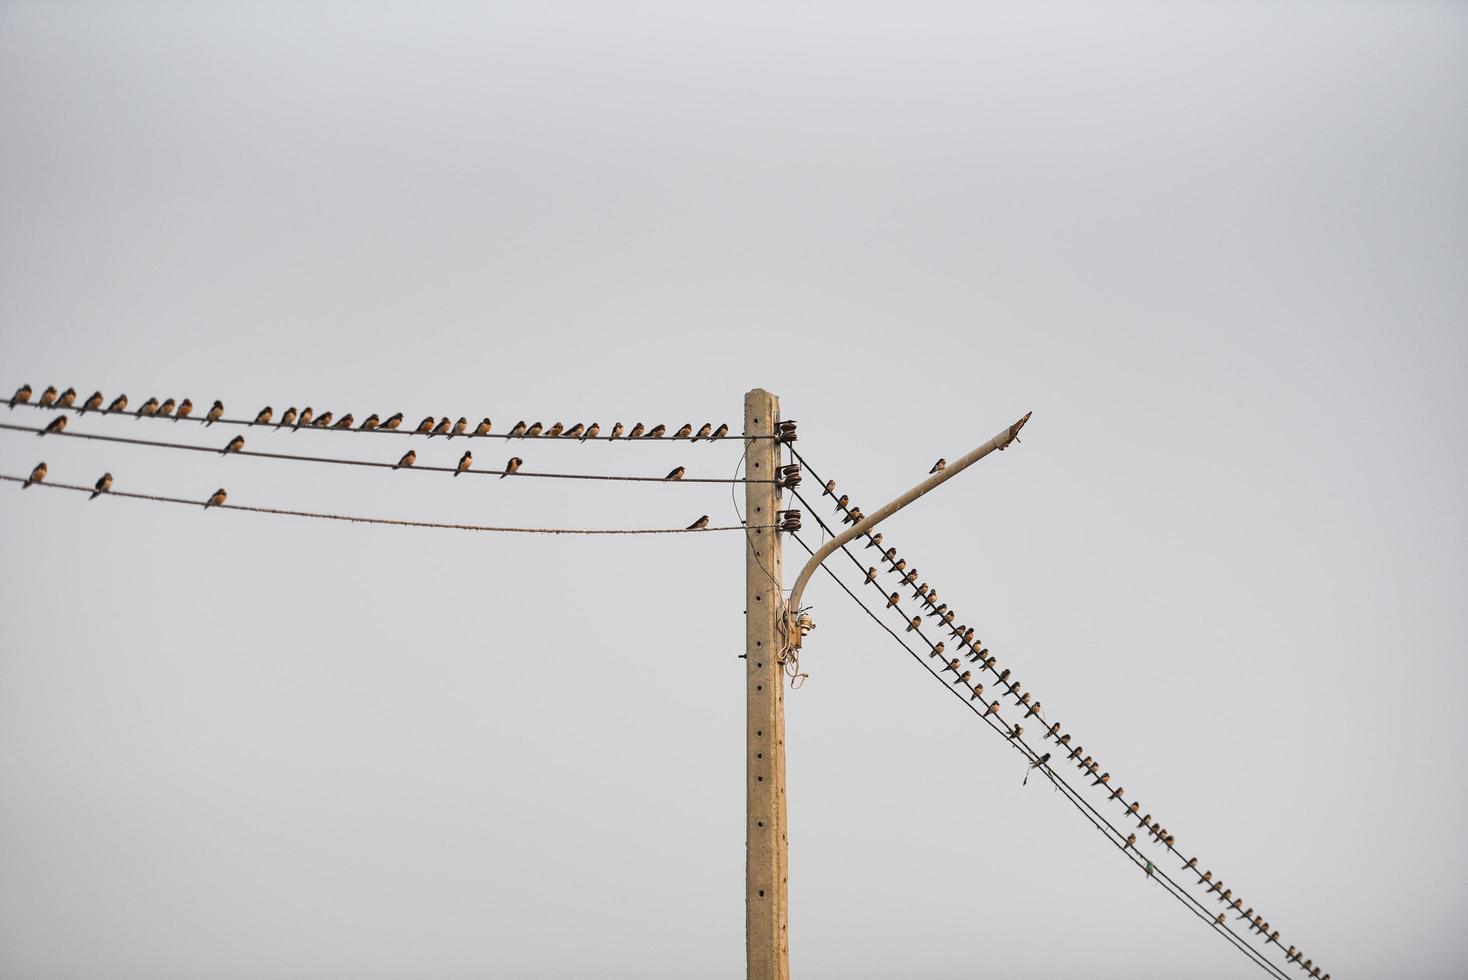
x=370 y=463
x=128 y=495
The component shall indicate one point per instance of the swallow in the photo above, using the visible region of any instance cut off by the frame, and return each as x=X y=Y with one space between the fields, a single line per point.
x=699 y=524
x=393 y=421
x=617 y=431
x=1131 y=811
x=482 y=429
x=322 y=421
x=37 y=475
x=964 y=678
x=830 y=490
x=263 y=418
x=286 y=418
x=978 y=650
x=1084 y=764
x=1206 y=877
x=185 y=408
x=1131 y=840
x=441 y=428
x=22 y=396
x=94 y=403
x=1075 y=752
x=574 y=432
x=1219 y=920
x=55 y=425
x=1291 y=955
x=931 y=599
x=871 y=575
x=233 y=446
x=459 y=427
x=978 y=692
x=993 y=708
x=511 y=466
x=916 y=622
x=119 y=404
x=1146 y=820
x=1168 y=839
x=409 y=458
x=216 y=499
x=705 y=431
x=149 y=408
x=369 y=423
x=968 y=637
x=555 y=431
x=1004 y=676
x=684 y=431
x=534 y=431
x=657 y=431
x=591 y=432
x=48 y=397
x=465 y=461
x=1217 y=884
x=910 y=577
x=216 y=411
x=890 y=556
x=720 y=432
x=676 y=473
x=637 y=431
x=937 y=650
x=892 y=601
x=842 y=502
x=518 y=432
x=876 y=541
x=1050 y=732
x=345 y=422
x=1016 y=732
x=68 y=399
x=103 y=484
x=164 y=410
x=942 y=464
x=1023 y=699
x=921 y=592
x=1228 y=893
x=900 y=565
x=1273 y=937
x=1034 y=710
x=425 y=427
x=1247 y=914
x=948 y=617
x=1064 y=739
x=853 y=516
x=952 y=665
x=1118 y=793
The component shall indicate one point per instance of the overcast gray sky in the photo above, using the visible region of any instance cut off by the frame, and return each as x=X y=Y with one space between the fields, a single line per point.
x=1218 y=249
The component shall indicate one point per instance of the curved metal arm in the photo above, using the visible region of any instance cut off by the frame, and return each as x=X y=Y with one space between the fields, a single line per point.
x=1000 y=441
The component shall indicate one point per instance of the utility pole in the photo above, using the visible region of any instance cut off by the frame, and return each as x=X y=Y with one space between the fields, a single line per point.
x=766 y=919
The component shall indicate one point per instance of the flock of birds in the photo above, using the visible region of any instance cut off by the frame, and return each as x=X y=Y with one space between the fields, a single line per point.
x=980 y=660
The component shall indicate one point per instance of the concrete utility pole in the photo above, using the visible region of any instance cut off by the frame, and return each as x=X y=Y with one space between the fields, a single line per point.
x=766 y=920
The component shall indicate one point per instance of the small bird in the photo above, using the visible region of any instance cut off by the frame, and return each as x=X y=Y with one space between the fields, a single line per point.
x=103 y=484
x=842 y=501
x=937 y=649
x=1131 y=840
x=720 y=432
x=892 y=601
x=233 y=446
x=534 y=431
x=1085 y=764
x=37 y=475
x=345 y=422
x=637 y=431
x=684 y=431
x=871 y=574
x=460 y=427
x=94 y=403
x=482 y=429
x=993 y=708
x=1146 y=820
x=890 y=556
x=704 y=431
x=48 y=397
x=1150 y=869
x=617 y=431
x=323 y=420
x=393 y=421
x=554 y=431
x=1016 y=732
x=942 y=464
x=1051 y=732
x=900 y=565
x=910 y=578
x=185 y=408
x=676 y=473
x=442 y=428
x=1118 y=793
x=1207 y=877
x=465 y=461
x=916 y=622
x=964 y=677
x=1219 y=920
x=55 y=425
x=216 y=499
x=409 y=458
x=591 y=432
x=68 y=399
x=511 y=466
x=952 y=665
x=699 y=524
x=264 y=416
x=1228 y=893
x=657 y=431
x=164 y=410
x=119 y=404
x=148 y=409
x=921 y=592
x=425 y=427
x=1133 y=808
x=216 y=411
x=369 y=423
x=1034 y=709
x=830 y=489
x=939 y=609
x=518 y=432
x=853 y=516
x=22 y=396
x=978 y=692
x=876 y=541
x=574 y=432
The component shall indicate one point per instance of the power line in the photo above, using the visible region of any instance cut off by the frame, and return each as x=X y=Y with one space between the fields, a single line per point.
x=372 y=463
x=372 y=520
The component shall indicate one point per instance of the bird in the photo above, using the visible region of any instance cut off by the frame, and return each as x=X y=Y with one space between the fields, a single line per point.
x=185 y=408
x=22 y=396
x=1207 y=876
x=921 y=592
x=952 y=665
x=1016 y=732
x=216 y=499
x=872 y=574
x=1040 y=762
x=993 y=708
x=939 y=609
x=119 y=404
x=409 y=458
x=369 y=423
x=68 y=399
x=617 y=431
x=304 y=419
x=1132 y=810
x=574 y=432
x=1051 y=732
x=393 y=421
x=1119 y=792
x=1146 y=820
x=37 y=475
x=937 y=649
x=164 y=410
x=592 y=431
x=1219 y=920
x=916 y=622
x=684 y=431
x=657 y=431
x=964 y=677
x=830 y=489
x=704 y=431
x=465 y=461
x=216 y=411
x=519 y=430
x=853 y=516
x=1034 y=709
x=323 y=420
x=1228 y=893
x=892 y=601
x=876 y=541
x=910 y=577
x=1131 y=840
x=720 y=432
x=676 y=473
x=899 y=565
x=699 y=524
x=425 y=427
x=842 y=501
x=511 y=466
x=48 y=397
x=554 y=431
x=94 y=403
x=637 y=431
x=233 y=446
x=978 y=692
x=482 y=429
x=264 y=416
x=103 y=484
x=441 y=428
x=534 y=431
x=55 y=425
x=459 y=427
x=149 y=408
x=345 y=422
x=942 y=464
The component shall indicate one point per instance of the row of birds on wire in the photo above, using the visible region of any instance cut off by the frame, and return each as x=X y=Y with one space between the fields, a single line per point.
x=977 y=655
x=307 y=418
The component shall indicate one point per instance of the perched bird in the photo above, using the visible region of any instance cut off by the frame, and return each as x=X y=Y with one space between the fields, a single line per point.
x=164 y=410
x=216 y=411
x=937 y=649
x=720 y=432
x=676 y=473
x=459 y=427
x=185 y=408
x=149 y=408
x=1228 y=893
x=534 y=431
x=518 y=431
x=617 y=431
x=511 y=466
x=1085 y=764
x=1016 y=732
x=103 y=484
x=910 y=578
x=657 y=431
x=1219 y=920
x=853 y=516
x=1075 y=752
x=871 y=574
x=574 y=432
x=921 y=591
x=1034 y=709
x=1051 y=732
x=637 y=431
x=441 y=428
x=119 y=404
x=952 y=665
x=699 y=524
x=94 y=403
x=1131 y=840
x=993 y=708
x=37 y=475
x=482 y=429
x=876 y=540
x=264 y=417
x=345 y=422
x=233 y=446
x=216 y=499
x=899 y=565
x=892 y=601
x=1119 y=792
x=890 y=556
x=369 y=423
x=916 y=622
x=22 y=396
x=465 y=461
x=1146 y=820
x=55 y=425
x=48 y=397
x=409 y=458
x=704 y=431
x=323 y=420
x=964 y=677
x=68 y=399
x=554 y=431
x=684 y=431
x=393 y=421
x=830 y=489
x=1132 y=810
x=1206 y=877
x=842 y=501
x=942 y=464
x=978 y=692
x=425 y=427
x=591 y=432
x=939 y=609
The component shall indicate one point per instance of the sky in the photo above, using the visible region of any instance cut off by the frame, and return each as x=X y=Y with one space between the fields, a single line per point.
x=1217 y=249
